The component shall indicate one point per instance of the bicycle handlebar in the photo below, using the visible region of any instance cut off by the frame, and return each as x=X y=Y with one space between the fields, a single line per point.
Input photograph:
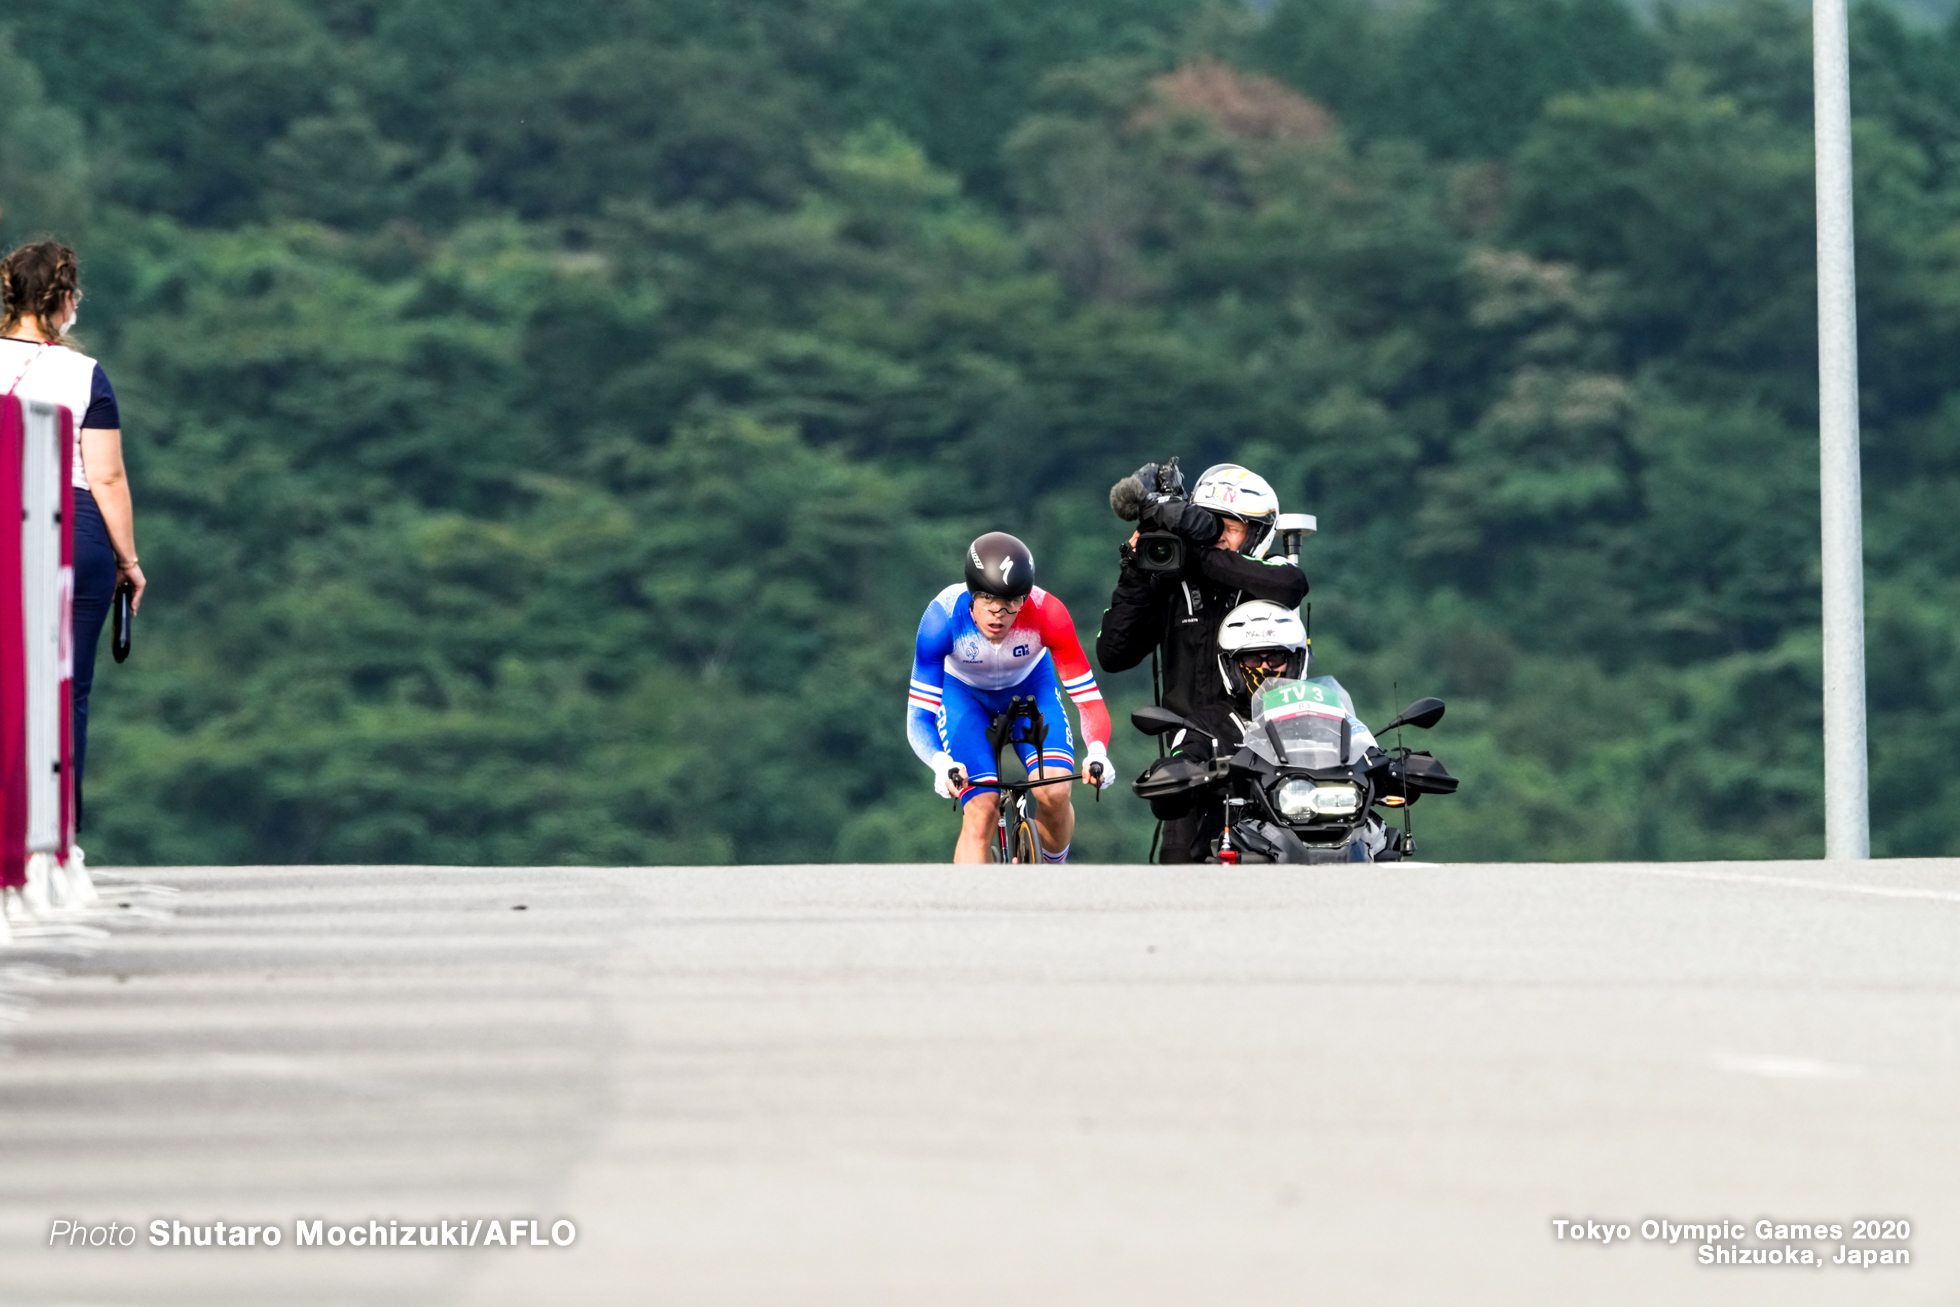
x=1095 y=774
x=1023 y=785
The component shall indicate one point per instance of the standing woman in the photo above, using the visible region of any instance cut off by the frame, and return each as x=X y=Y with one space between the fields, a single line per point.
x=41 y=289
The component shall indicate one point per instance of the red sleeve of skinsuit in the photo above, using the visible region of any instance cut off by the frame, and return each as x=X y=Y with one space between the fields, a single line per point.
x=1072 y=665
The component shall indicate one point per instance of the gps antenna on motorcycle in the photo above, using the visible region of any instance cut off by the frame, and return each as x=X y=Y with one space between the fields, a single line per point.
x=1292 y=528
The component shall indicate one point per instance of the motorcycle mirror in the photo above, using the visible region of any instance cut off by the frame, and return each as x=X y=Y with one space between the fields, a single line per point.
x=1422 y=714
x=1158 y=721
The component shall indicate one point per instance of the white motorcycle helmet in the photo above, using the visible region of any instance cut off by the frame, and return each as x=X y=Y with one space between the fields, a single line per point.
x=1260 y=641
x=1231 y=491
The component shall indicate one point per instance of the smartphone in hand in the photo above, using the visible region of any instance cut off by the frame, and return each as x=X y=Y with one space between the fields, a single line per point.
x=122 y=624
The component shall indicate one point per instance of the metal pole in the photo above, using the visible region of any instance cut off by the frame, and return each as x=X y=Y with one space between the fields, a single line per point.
x=1847 y=807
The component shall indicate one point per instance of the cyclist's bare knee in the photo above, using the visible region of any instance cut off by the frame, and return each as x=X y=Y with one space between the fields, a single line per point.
x=1053 y=798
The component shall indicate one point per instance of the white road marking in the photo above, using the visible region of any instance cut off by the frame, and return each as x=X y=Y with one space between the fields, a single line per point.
x=1786 y=882
x=1787 y=1068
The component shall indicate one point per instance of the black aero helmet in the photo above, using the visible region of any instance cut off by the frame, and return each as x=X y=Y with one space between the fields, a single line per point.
x=999 y=565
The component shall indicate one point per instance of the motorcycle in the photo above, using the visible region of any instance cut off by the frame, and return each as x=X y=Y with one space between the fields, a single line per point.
x=1304 y=785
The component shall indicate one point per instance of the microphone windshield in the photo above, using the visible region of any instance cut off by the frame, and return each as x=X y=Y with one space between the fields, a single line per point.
x=1126 y=498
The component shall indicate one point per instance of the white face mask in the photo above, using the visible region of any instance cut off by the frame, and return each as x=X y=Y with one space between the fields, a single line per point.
x=69 y=325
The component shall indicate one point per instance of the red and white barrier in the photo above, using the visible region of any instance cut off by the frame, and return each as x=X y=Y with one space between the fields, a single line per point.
x=39 y=876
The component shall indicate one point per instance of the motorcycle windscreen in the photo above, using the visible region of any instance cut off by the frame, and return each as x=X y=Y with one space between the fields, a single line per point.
x=1307 y=716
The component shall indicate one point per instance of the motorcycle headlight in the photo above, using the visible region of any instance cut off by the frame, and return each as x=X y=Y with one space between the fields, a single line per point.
x=1295 y=799
x=1336 y=800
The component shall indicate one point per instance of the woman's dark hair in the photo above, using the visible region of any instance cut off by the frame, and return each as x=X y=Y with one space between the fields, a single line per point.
x=34 y=280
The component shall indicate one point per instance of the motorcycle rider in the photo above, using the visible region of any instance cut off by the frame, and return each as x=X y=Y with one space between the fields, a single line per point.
x=1260 y=643
x=994 y=637
x=1228 y=523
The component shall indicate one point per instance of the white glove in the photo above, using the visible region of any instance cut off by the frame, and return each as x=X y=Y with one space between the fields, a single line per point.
x=943 y=767
x=1097 y=754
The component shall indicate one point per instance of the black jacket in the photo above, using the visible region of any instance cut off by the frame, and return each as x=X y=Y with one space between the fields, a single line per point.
x=1181 y=612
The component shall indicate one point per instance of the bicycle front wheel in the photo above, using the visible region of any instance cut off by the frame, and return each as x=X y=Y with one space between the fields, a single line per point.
x=1026 y=835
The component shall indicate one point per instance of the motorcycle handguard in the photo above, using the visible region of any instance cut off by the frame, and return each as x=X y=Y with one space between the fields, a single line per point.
x=1174 y=785
x=1424 y=775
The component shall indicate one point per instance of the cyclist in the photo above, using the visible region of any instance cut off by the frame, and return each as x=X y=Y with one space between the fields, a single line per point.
x=993 y=638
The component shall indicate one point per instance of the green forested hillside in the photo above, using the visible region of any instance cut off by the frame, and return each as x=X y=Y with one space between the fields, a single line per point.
x=549 y=419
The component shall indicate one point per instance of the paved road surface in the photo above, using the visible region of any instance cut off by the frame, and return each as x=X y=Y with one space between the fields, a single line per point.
x=929 y=1087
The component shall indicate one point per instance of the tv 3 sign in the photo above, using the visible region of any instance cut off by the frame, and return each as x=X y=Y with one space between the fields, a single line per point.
x=1295 y=700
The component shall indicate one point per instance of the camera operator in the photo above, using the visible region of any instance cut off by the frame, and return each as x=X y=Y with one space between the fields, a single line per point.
x=1190 y=563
